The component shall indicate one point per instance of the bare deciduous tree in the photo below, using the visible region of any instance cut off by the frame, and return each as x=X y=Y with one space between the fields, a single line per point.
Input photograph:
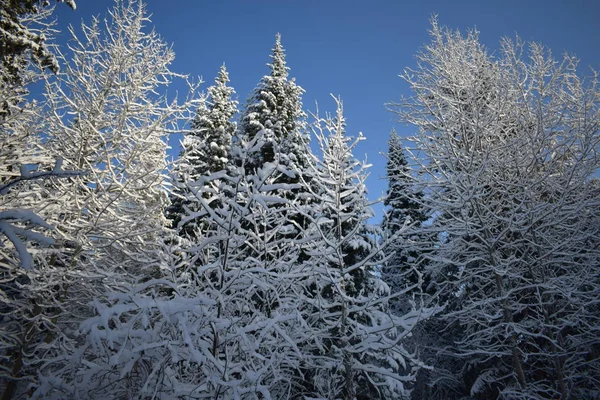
x=511 y=147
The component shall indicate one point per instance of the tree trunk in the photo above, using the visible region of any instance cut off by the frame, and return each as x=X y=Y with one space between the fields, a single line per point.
x=516 y=359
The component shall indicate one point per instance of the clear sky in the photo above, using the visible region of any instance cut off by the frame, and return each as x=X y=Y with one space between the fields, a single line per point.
x=355 y=49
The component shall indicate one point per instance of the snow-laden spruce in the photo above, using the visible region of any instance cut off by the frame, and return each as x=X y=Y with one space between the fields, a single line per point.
x=401 y=211
x=273 y=134
x=356 y=346
x=25 y=33
x=225 y=326
x=206 y=148
x=275 y=111
x=507 y=148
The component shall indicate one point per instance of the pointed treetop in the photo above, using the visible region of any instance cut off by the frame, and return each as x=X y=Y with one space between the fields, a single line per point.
x=275 y=111
x=401 y=199
x=279 y=69
x=209 y=140
x=223 y=106
x=339 y=115
x=394 y=138
x=395 y=156
x=223 y=76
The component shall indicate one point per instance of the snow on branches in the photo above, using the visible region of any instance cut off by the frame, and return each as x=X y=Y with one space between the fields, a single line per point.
x=509 y=148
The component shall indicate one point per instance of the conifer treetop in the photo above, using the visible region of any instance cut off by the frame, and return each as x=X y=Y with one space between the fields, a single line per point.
x=400 y=199
x=207 y=146
x=279 y=68
x=274 y=115
x=213 y=128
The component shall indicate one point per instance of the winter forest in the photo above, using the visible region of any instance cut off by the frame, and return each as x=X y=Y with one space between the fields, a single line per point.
x=250 y=266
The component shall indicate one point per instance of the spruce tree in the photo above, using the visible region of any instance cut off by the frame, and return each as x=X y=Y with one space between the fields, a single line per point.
x=273 y=127
x=403 y=208
x=400 y=200
x=24 y=33
x=206 y=149
x=344 y=204
x=273 y=120
x=355 y=349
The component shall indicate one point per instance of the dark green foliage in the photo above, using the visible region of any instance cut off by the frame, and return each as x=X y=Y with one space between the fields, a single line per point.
x=401 y=200
x=274 y=119
x=206 y=150
x=16 y=40
x=404 y=208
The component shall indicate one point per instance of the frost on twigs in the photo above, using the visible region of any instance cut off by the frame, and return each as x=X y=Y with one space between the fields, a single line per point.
x=14 y=233
x=107 y=113
x=357 y=341
x=17 y=224
x=26 y=175
x=508 y=152
x=221 y=322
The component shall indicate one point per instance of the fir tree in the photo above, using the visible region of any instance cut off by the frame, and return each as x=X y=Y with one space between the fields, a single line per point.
x=273 y=127
x=400 y=201
x=344 y=204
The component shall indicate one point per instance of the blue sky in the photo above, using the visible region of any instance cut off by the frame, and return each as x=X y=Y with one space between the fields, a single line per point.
x=355 y=49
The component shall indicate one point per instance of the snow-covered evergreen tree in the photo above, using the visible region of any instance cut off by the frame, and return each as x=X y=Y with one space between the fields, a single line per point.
x=402 y=209
x=274 y=115
x=273 y=128
x=510 y=147
x=228 y=328
x=206 y=147
x=400 y=206
x=24 y=38
x=357 y=349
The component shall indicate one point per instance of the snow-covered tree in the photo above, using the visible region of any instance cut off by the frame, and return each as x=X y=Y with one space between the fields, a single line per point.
x=510 y=146
x=107 y=117
x=24 y=289
x=273 y=128
x=24 y=163
x=400 y=206
x=228 y=328
x=356 y=349
x=274 y=112
x=401 y=211
x=24 y=38
x=206 y=147
x=22 y=235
